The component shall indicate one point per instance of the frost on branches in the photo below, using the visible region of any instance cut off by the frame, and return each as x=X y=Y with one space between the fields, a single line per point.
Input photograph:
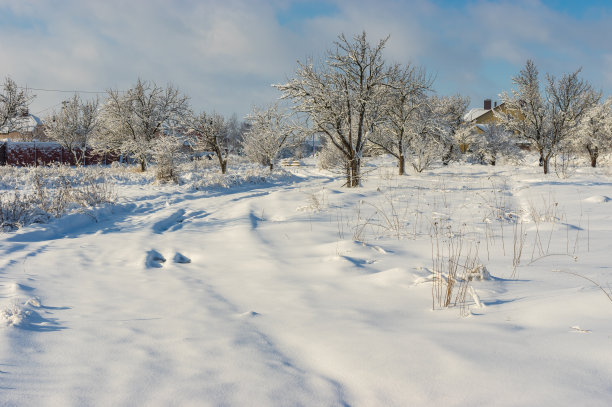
x=595 y=131
x=549 y=118
x=434 y=130
x=343 y=97
x=495 y=141
x=270 y=131
x=14 y=103
x=407 y=90
x=448 y=123
x=74 y=126
x=135 y=119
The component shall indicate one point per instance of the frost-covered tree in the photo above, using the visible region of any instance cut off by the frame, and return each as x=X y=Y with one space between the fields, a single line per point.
x=407 y=88
x=546 y=118
x=135 y=119
x=595 y=131
x=269 y=132
x=435 y=130
x=74 y=126
x=343 y=96
x=166 y=152
x=493 y=142
x=14 y=102
x=210 y=134
x=423 y=143
x=448 y=124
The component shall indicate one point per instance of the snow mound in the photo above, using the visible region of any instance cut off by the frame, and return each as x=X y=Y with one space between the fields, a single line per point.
x=14 y=315
x=479 y=272
x=597 y=199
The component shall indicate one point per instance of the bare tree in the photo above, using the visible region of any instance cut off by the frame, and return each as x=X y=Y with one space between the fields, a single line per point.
x=74 y=126
x=546 y=119
x=407 y=89
x=343 y=96
x=210 y=134
x=14 y=103
x=135 y=119
x=269 y=133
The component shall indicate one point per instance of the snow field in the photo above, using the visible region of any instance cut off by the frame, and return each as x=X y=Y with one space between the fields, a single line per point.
x=300 y=292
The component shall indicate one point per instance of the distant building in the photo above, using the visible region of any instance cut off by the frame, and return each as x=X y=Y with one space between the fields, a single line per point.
x=480 y=117
x=26 y=127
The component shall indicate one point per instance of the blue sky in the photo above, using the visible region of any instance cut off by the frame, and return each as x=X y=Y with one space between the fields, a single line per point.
x=225 y=55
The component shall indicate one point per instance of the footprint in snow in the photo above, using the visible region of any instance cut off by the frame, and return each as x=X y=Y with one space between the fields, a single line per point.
x=180 y=258
x=172 y=222
x=154 y=259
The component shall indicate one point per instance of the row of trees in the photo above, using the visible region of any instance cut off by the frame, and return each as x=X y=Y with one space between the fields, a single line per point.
x=147 y=122
x=354 y=100
x=566 y=113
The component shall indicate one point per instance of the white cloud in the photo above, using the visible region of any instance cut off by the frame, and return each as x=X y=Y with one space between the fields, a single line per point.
x=226 y=54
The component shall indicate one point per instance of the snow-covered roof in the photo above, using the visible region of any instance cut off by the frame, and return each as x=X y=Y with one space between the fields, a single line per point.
x=22 y=124
x=474 y=114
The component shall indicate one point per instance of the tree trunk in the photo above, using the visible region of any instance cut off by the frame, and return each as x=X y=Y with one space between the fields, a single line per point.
x=402 y=165
x=348 y=174
x=222 y=163
x=354 y=173
x=446 y=158
x=541 y=159
x=593 y=153
x=143 y=164
x=271 y=166
x=77 y=159
x=545 y=162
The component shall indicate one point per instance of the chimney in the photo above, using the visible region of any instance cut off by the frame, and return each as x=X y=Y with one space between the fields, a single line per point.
x=496 y=103
x=487 y=104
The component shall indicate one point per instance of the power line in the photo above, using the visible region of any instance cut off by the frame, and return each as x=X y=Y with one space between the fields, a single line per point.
x=51 y=107
x=66 y=91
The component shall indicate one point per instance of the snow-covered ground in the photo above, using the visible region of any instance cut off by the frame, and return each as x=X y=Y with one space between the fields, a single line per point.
x=297 y=291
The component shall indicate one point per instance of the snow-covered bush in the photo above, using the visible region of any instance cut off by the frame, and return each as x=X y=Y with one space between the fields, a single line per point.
x=330 y=158
x=18 y=209
x=166 y=152
x=494 y=142
x=45 y=193
x=271 y=131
